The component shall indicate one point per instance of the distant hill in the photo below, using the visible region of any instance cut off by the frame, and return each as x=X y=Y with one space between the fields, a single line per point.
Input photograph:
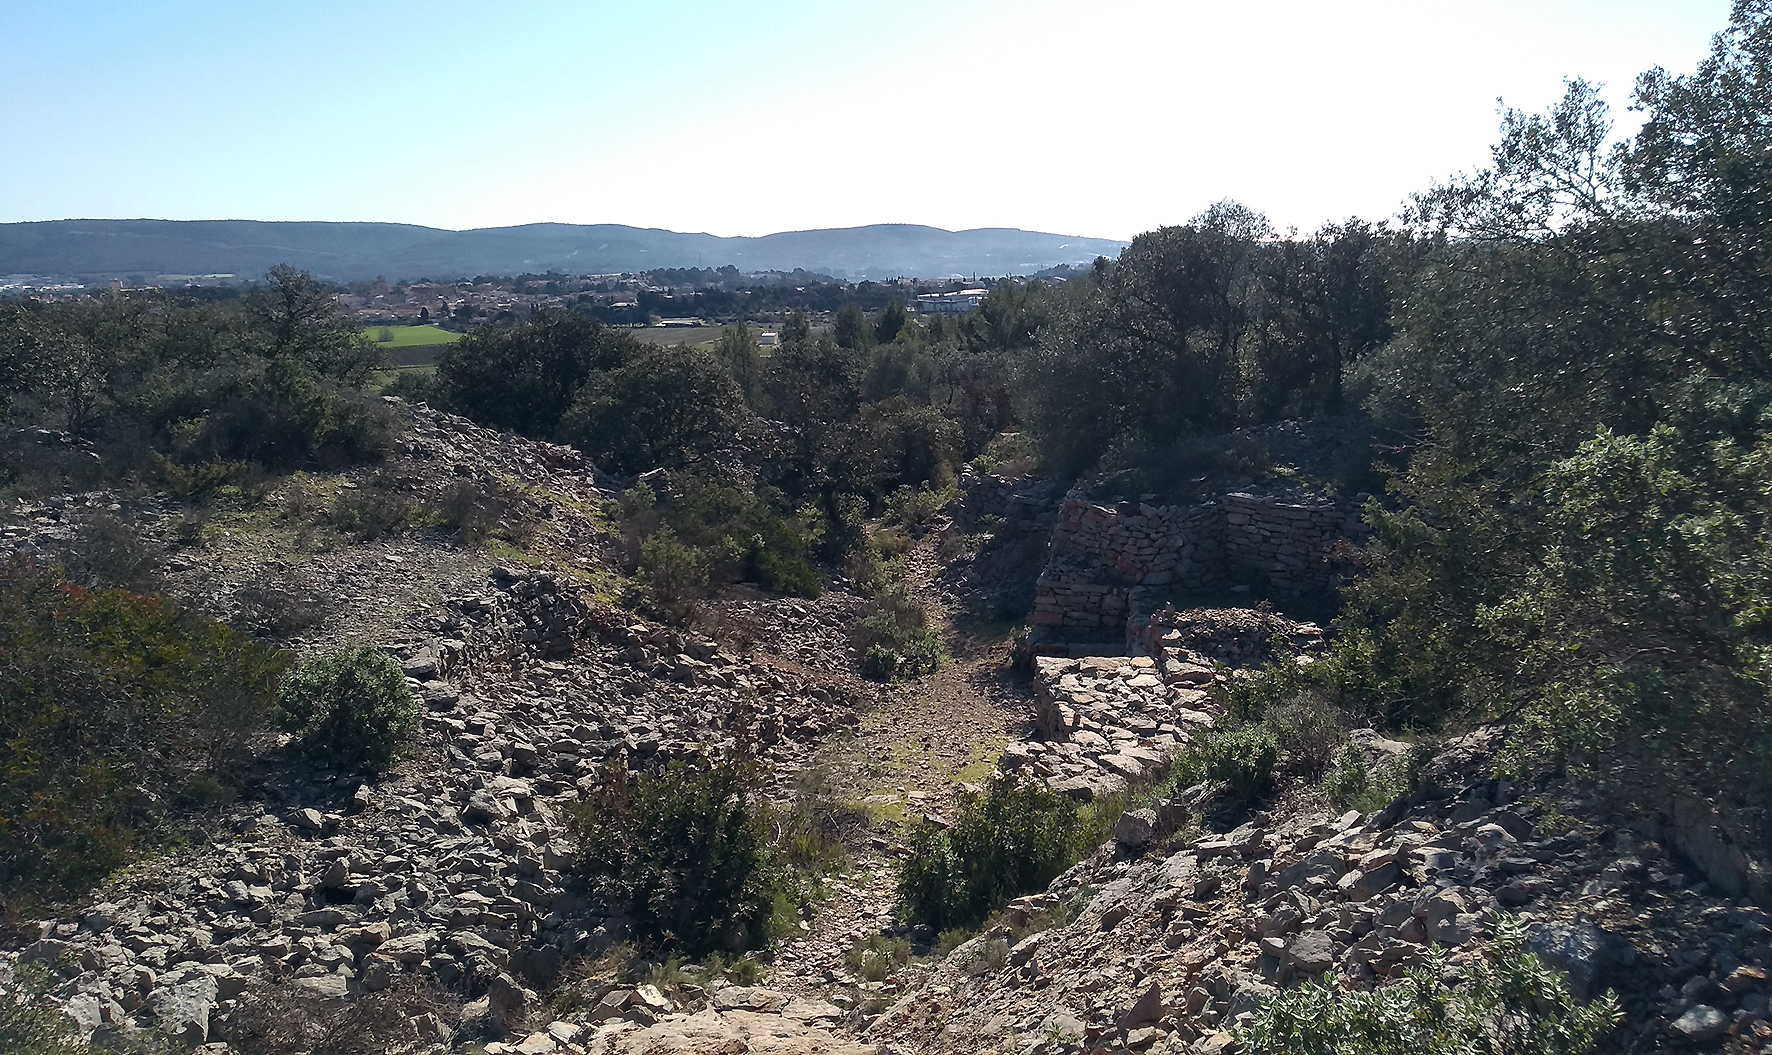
x=350 y=251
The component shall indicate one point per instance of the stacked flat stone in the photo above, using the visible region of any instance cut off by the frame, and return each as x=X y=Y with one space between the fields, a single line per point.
x=1207 y=636
x=1104 y=721
x=1026 y=503
x=1291 y=543
x=1101 y=555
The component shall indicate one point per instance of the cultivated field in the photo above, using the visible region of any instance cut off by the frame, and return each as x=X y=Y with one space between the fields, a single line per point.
x=678 y=334
x=410 y=336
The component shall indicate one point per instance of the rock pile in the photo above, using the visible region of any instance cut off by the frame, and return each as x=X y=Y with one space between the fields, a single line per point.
x=1290 y=541
x=1103 y=721
x=1236 y=637
x=458 y=871
x=1167 y=951
x=812 y=633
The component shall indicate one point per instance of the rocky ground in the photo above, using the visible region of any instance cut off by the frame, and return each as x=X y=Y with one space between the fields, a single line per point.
x=453 y=870
x=1172 y=943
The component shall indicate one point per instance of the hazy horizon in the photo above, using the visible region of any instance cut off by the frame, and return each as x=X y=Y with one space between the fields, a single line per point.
x=699 y=117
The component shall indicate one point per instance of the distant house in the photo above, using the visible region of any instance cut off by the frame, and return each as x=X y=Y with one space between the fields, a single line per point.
x=959 y=302
x=768 y=339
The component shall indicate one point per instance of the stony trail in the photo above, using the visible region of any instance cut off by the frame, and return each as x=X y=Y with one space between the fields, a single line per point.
x=910 y=757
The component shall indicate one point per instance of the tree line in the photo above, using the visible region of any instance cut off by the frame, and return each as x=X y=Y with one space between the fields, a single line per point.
x=1564 y=354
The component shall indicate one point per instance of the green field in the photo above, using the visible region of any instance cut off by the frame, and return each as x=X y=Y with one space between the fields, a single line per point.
x=410 y=336
x=676 y=334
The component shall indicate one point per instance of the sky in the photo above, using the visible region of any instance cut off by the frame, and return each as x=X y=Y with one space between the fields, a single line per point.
x=1101 y=118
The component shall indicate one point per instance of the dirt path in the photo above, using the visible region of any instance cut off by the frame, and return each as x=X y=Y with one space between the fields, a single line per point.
x=909 y=758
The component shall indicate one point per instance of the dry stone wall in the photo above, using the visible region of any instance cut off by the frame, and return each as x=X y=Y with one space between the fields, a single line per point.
x=1291 y=542
x=1288 y=544
x=1023 y=504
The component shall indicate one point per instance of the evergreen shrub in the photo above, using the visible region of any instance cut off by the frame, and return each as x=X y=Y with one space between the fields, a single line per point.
x=110 y=702
x=683 y=854
x=1511 y=1002
x=351 y=709
x=1012 y=840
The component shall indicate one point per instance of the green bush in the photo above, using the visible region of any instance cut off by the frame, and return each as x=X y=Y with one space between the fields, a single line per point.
x=731 y=532
x=919 y=509
x=683 y=854
x=31 y=1024
x=1512 y=1003
x=896 y=640
x=1306 y=728
x=783 y=571
x=1351 y=784
x=1013 y=840
x=810 y=833
x=109 y=702
x=674 y=574
x=281 y=415
x=877 y=957
x=351 y=708
x=665 y=408
x=1242 y=756
x=414 y=386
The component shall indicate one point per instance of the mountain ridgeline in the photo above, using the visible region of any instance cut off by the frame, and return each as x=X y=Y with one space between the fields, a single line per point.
x=353 y=251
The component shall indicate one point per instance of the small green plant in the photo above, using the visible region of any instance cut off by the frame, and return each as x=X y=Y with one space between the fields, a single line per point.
x=1306 y=728
x=746 y=970
x=1510 y=1003
x=897 y=640
x=1012 y=840
x=875 y=958
x=30 y=1023
x=197 y=481
x=952 y=938
x=775 y=569
x=351 y=708
x=809 y=833
x=919 y=509
x=1351 y=784
x=990 y=954
x=1242 y=756
x=683 y=853
x=674 y=573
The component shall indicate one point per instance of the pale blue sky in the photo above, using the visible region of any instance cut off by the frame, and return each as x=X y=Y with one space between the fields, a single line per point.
x=1100 y=118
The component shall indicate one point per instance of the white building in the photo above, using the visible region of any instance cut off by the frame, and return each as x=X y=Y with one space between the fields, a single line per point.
x=959 y=302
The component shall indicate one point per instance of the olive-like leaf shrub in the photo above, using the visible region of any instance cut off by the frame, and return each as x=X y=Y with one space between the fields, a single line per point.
x=351 y=708
x=1510 y=1003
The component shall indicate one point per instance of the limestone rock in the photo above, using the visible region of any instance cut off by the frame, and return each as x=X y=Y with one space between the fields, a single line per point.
x=750 y=998
x=1136 y=828
x=1703 y=1022
x=183 y=1010
x=1147 y=1009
